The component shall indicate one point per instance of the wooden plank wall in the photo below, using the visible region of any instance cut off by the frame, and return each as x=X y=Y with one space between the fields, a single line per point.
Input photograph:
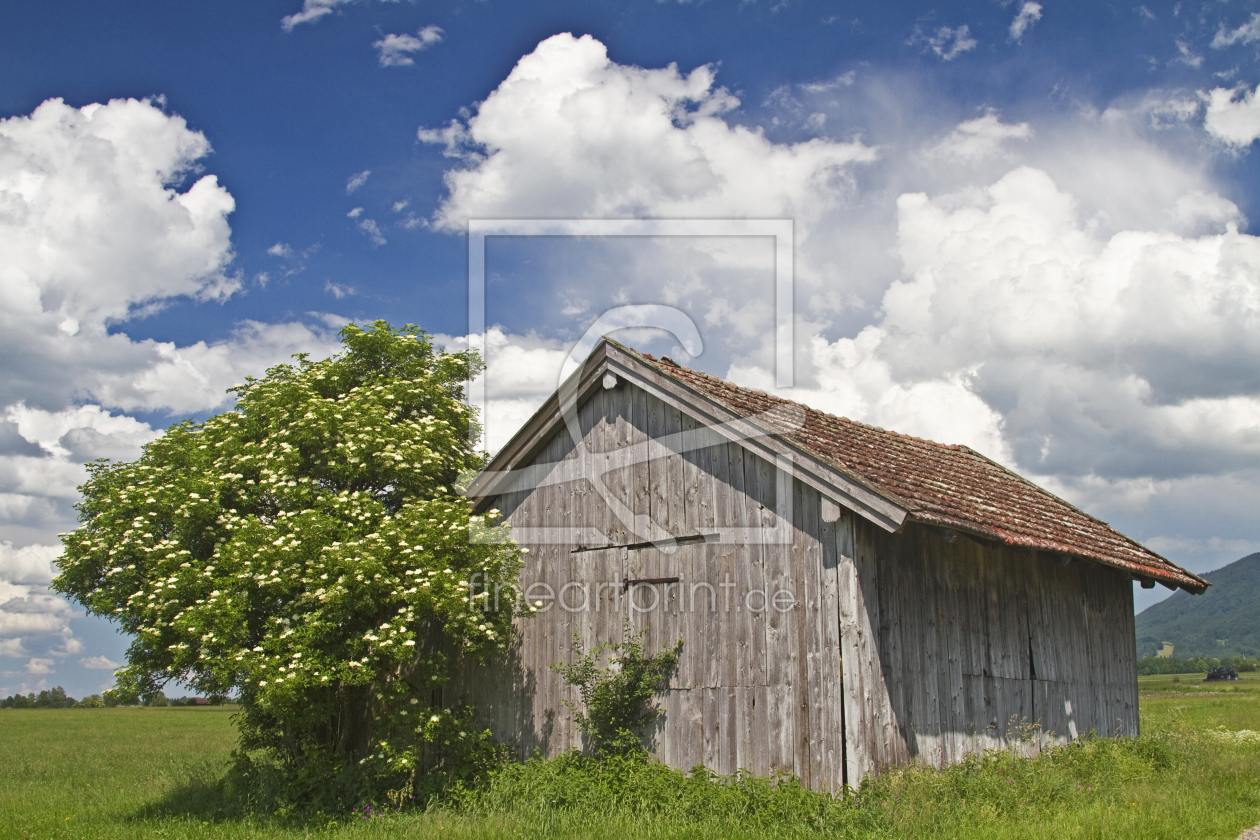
x=757 y=688
x=983 y=647
x=896 y=647
x=873 y=739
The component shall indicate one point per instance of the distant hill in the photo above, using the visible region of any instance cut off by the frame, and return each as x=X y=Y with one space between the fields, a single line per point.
x=1224 y=621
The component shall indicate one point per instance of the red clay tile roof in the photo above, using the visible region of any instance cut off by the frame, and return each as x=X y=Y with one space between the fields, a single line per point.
x=950 y=486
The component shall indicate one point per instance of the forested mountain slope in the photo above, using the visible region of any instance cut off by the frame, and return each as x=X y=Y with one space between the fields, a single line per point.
x=1224 y=621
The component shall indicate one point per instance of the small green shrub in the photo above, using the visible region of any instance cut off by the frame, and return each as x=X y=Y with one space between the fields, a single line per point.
x=615 y=698
x=445 y=753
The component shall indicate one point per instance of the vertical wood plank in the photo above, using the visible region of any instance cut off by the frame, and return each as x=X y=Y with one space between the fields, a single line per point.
x=926 y=711
x=616 y=434
x=902 y=604
x=782 y=647
x=883 y=739
x=723 y=575
x=691 y=473
x=737 y=518
x=953 y=577
x=657 y=508
x=674 y=512
x=1128 y=669
x=712 y=552
x=639 y=464
x=780 y=651
x=853 y=647
x=693 y=709
x=759 y=734
x=712 y=755
x=780 y=729
x=728 y=760
x=700 y=607
x=832 y=677
x=809 y=588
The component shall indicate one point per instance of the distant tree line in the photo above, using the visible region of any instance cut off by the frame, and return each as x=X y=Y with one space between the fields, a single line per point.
x=51 y=698
x=56 y=698
x=1168 y=665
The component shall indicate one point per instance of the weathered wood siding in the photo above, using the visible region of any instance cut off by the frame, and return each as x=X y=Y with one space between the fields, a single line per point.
x=884 y=648
x=757 y=688
x=976 y=645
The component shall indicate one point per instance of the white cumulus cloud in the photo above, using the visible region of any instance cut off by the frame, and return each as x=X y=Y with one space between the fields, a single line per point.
x=104 y=215
x=195 y=377
x=339 y=290
x=94 y=225
x=39 y=666
x=521 y=372
x=312 y=10
x=82 y=433
x=31 y=564
x=99 y=663
x=1028 y=15
x=33 y=621
x=396 y=50
x=96 y=230
x=571 y=133
x=947 y=42
x=1020 y=330
x=980 y=138
x=357 y=180
x=372 y=231
x=1233 y=118
x=1247 y=33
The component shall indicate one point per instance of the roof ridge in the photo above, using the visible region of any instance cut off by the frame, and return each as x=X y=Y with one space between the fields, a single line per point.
x=735 y=385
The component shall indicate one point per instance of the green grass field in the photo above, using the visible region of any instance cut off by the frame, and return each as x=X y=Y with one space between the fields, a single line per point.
x=102 y=774
x=1172 y=701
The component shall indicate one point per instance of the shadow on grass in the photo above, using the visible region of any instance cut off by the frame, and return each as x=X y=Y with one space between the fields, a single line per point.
x=206 y=795
x=203 y=796
x=214 y=794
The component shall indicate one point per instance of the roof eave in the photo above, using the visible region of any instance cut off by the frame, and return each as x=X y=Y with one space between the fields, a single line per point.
x=1182 y=579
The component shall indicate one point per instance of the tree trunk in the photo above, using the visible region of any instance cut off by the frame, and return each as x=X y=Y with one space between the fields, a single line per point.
x=354 y=727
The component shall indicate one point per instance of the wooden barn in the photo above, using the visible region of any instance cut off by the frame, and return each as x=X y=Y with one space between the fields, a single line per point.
x=848 y=598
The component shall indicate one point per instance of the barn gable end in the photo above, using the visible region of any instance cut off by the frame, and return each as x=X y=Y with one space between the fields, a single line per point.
x=893 y=639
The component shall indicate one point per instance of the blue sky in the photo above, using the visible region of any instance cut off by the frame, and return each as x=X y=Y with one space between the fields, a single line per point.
x=1023 y=226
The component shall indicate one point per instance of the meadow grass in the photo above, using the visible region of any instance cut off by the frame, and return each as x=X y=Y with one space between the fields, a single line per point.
x=101 y=774
x=1194 y=704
